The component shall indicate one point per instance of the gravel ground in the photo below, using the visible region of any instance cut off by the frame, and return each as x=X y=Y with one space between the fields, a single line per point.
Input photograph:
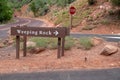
x=46 y=60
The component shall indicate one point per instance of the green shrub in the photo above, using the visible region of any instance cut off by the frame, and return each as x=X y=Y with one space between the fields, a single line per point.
x=40 y=42
x=88 y=27
x=115 y=2
x=105 y=22
x=19 y=3
x=111 y=12
x=64 y=3
x=5 y=11
x=86 y=43
x=91 y=2
x=69 y=43
x=39 y=7
x=51 y=43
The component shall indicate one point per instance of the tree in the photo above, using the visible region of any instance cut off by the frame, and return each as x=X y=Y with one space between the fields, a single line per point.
x=64 y=3
x=39 y=7
x=116 y=2
x=91 y=2
x=5 y=11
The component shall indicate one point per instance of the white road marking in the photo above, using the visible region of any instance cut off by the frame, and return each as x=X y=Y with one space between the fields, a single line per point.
x=114 y=37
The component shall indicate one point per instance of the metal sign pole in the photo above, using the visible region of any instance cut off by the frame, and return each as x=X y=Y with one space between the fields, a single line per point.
x=71 y=21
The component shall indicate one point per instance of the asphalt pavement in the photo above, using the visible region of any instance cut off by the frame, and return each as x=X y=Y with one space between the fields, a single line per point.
x=19 y=21
x=103 y=74
x=107 y=37
x=37 y=23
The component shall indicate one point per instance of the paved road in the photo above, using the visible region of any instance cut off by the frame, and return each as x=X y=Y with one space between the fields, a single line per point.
x=20 y=21
x=108 y=37
x=109 y=74
x=106 y=74
x=35 y=23
x=5 y=28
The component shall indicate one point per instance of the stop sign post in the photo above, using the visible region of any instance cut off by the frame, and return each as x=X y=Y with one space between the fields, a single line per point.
x=72 y=11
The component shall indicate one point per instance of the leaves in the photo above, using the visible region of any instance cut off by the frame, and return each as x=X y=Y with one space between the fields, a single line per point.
x=116 y=2
x=39 y=7
x=5 y=11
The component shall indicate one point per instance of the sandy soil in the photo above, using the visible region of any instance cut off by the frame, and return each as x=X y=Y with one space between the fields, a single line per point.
x=101 y=29
x=73 y=59
x=47 y=60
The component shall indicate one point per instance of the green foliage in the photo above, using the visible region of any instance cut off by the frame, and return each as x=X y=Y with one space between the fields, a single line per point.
x=40 y=42
x=86 y=43
x=19 y=3
x=39 y=7
x=69 y=43
x=91 y=2
x=64 y=3
x=88 y=27
x=51 y=43
x=5 y=11
x=105 y=22
x=63 y=16
x=115 y=2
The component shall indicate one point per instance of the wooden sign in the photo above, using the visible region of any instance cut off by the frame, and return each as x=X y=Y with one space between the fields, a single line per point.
x=39 y=31
x=59 y=32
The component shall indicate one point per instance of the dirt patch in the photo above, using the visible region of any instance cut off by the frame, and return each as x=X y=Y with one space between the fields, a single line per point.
x=101 y=29
x=47 y=60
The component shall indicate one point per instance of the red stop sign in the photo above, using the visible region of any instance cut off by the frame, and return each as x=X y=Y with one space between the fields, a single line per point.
x=72 y=10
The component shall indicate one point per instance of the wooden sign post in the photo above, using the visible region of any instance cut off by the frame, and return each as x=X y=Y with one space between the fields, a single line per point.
x=24 y=46
x=72 y=11
x=59 y=32
x=17 y=46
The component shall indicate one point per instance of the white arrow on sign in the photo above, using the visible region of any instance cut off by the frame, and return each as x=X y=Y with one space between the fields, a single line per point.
x=56 y=33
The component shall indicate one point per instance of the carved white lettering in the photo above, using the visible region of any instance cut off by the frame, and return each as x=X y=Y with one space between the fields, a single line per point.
x=50 y=33
x=30 y=32
x=18 y=31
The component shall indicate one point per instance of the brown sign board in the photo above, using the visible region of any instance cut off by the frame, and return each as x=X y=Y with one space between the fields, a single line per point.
x=40 y=31
x=58 y=32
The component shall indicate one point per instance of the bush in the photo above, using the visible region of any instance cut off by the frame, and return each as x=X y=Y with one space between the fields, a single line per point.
x=115 y=2
x=88 y=27
x=105 y=22
x=64 y=3
x=91 y=2
x=69 y=43
x=19 y=3
x=51 y=43
x=39 y=7
x=5 y=11
x=86 y=43
x=40 y=42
